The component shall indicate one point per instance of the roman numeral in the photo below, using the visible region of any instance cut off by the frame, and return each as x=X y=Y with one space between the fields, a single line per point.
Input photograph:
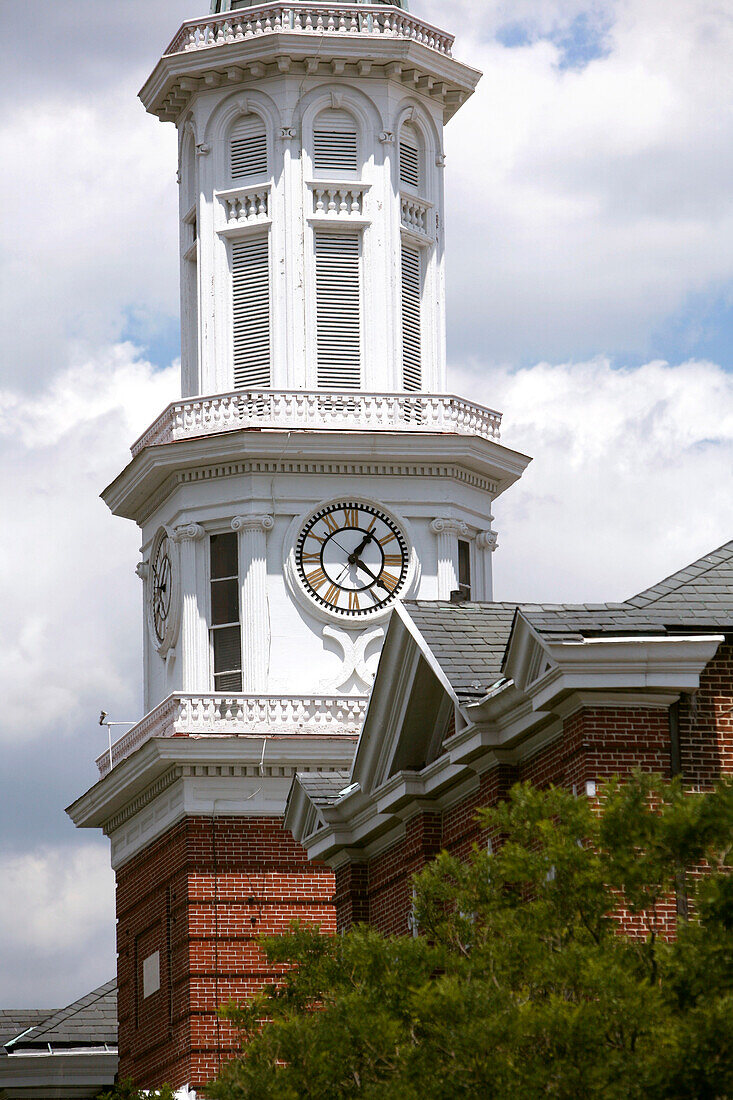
x=316 y=579
x=394 y=560
x=330 y=523
x=354 y=601
x=386 y=539
x=332 y=595
x=311 y=557
x=316 y=537
x=390 y=583
x=352 y=517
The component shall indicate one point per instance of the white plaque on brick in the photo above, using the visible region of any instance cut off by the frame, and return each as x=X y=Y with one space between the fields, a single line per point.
x=151 y=974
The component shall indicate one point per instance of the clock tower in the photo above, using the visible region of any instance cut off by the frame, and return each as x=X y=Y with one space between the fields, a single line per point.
x=314 y=471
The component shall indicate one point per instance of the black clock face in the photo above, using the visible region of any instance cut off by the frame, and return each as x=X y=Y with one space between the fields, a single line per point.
x=162 y=586
x=352 y=558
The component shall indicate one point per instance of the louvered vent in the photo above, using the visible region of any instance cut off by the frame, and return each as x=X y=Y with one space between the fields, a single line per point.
x=335 y=147
x=409 y=165
x=338 y=310
x=411 y=318
x=251 y=294
x=249 y=149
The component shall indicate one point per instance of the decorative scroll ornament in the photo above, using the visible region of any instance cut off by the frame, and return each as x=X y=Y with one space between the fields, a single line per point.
x=288 y=133
x=187 y=532
x=354 y=671
x=487 y=540
x=387 y=137
x=202 y=149
x=446 y=525
x=142 y=570
x=253 y=523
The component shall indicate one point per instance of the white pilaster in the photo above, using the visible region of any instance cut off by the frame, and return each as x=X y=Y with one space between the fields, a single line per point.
x=486 y=544
x=193 y=638
x=255 y=612
x=448 y=531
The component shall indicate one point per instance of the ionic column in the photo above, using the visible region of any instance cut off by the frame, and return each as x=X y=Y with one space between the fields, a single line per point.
x=448 y=531
x=254 y=610
x=193 y=635
x=486 y=544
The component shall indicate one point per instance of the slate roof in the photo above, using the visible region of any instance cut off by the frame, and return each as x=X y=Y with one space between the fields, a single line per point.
x=14 y=1021
x=469 y=640
x=323 y=788
x=89 y=1022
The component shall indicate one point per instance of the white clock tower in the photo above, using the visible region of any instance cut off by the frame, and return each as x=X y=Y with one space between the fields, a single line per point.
x=314 y=471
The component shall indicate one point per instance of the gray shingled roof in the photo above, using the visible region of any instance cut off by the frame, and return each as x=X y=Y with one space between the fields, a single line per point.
x=89 y=1022
x=323 y=788
x=469 y=640
x=14 y=1021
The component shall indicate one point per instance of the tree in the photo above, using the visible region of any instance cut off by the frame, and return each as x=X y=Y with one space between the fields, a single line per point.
x=521 y=983
x=126 y=1090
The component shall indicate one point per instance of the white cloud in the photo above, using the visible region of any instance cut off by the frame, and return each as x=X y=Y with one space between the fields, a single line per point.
x=630 y=481
x=69 y=601
x=57 y=922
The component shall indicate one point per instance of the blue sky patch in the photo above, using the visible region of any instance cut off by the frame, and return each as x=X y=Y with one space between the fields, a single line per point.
x=582 y=40
x=157 y=335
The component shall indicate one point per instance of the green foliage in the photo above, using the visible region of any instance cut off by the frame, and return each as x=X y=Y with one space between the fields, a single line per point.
x=521 y=984
x=126 y=1090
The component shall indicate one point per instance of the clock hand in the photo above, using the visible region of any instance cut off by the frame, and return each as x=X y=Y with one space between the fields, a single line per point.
x=354 y=558
x=374 y=576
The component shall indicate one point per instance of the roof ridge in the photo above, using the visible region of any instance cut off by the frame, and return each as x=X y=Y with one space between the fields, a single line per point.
x=676 y=580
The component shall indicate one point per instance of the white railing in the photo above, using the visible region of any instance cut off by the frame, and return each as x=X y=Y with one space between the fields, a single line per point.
x=244 y=205
x=338 y=200
x=313 y=19
x=217 y=715
x=320 y=410
x=416 y=215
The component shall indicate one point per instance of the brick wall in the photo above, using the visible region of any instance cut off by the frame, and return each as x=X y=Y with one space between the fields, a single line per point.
x=201 y=896
x=706 y=724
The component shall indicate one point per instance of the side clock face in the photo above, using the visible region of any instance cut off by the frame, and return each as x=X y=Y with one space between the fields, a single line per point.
x=161 y=588
x=352 y=559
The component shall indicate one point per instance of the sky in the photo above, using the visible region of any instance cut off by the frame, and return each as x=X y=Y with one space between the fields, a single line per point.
x=590 y=298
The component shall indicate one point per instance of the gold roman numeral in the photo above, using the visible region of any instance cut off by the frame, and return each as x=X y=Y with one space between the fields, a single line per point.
x=354 y=604
x=331 y=524
x=311 y=557
x=316 y=579
x=390 y=583
x=352 y=517
x=316 y=537
x=386 y=539
x=394 y=560
x=332 y=596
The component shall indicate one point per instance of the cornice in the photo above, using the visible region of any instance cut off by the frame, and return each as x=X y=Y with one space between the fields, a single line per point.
x=153 y=474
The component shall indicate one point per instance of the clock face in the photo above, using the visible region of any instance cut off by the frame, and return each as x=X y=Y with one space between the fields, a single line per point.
x=352 y=558
x=162 y=588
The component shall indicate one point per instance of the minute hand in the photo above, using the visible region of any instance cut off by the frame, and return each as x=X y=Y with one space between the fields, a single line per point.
x=374 y=576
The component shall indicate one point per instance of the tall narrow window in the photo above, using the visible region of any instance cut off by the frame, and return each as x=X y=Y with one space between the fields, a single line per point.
x=335 y=144
x=226 y=633
x=409 y=159
x=338 y=310
x=464 y=568
x=411 y=317
x=251 y=312
x=248 y=149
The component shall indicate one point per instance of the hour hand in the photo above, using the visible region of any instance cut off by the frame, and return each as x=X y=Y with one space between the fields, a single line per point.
x=374 y=576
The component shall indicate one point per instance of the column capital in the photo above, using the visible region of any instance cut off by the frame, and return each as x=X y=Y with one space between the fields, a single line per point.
x=253 y=523
x=188 y=532
x=487 y=540
x=446 y=525
x=142 y=570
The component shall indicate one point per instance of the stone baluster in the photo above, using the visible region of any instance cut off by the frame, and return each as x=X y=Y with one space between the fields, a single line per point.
x=193 y=638
x=448 y=530
x=254 y=605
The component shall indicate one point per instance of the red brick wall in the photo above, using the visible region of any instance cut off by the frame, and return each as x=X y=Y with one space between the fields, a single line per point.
x=201 y=895
x=706 y=724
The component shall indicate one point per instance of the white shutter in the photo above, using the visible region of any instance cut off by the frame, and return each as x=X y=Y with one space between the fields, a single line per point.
x=249 y=149
x=409 y=164
x=335 y=145
x=338 y=310
x=411 y=317
x=251 y=312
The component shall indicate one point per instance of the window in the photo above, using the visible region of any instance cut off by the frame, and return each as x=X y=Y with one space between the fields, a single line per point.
x=410 y=158
x=411 y=317
x=335 y=145
x=464 y=568
x=251 y=312
x=338 y=310
x=248 y=149
x=226 y=635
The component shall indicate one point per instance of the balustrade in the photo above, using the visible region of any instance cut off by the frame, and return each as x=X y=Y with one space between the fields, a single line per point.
x=314 y=19
x=416 y=215
x=314 y=409
x=246 y=205
x=338 y=199
x=241 y=715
